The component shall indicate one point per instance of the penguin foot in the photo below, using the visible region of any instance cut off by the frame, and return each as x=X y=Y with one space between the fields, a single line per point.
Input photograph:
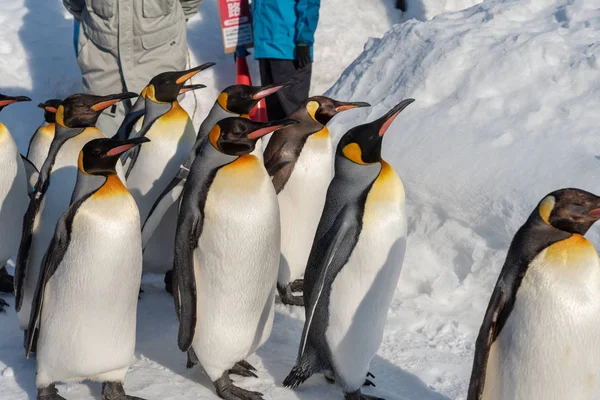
x=169 y=281
x=6 y=281
x=49 y=393
x=2 y=305
x=243 y=368
x=297 y=285
x=287 y=296
x=115 y=391
x=228 y=391
x=359 y=396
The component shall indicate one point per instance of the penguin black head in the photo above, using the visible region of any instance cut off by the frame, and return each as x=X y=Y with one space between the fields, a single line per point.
x=165 y=87
x=241 y=99
x=83 y=110
x=100 y=156
x=362 y=144
x=6 y=100
x=570 y=210
x=322 y=109
x=236 y=136
x=50 y=108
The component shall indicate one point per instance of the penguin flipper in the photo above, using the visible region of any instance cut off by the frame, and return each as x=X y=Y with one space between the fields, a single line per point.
x=52 y=259
x=170 y=195
x=338 y=244
x=189 y=228
x=32 y=174
x=133 y=155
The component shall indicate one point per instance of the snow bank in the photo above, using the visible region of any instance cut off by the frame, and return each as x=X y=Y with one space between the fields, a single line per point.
x=507 y=93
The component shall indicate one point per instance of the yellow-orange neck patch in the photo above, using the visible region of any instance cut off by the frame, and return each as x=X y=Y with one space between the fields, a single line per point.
x=60 y=116
x=151 y=94
x=546 y=207
x=80 y=163
x=312 y=108
x=222 y=100
x=353 y=153
x=214 y=135
x=112 y=187
x=322 y=134
x=571 y=251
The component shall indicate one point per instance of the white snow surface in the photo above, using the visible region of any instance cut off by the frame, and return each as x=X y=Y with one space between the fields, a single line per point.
x=507 y=93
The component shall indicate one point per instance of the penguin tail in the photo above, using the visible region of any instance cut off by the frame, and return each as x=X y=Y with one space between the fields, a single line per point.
x=296 y=377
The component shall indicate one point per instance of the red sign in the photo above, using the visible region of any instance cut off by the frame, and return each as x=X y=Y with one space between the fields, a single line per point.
x=236 y=24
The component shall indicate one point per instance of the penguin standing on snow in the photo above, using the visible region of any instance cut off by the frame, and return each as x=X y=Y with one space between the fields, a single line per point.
x=539 y=337
x=227 y=254
x=95 y=255
x=298 y=159
x=171 y=134
x=234 y=101
x=355 y=262
x=39 y=145
x=75 y=126
x=13 y=189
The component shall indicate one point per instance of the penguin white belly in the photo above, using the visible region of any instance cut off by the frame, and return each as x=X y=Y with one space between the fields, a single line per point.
x=13 y=196
x=88 y=321
x=171 y=139
x=236 y=265
x=548 y=348
x=55 y=202
x=301 y=203
x=40 y=145
x=362 y=292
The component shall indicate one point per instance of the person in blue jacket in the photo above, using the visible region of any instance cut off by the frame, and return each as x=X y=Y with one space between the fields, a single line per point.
x=284 y=34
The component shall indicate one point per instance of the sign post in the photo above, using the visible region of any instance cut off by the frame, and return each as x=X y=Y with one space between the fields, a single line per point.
x=236 y=28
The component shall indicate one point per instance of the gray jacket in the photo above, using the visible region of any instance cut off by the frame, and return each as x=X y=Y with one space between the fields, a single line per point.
x=145 y=36
x=124 y=43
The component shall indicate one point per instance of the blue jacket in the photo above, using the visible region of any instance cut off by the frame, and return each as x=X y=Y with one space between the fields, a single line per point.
x=280 y=24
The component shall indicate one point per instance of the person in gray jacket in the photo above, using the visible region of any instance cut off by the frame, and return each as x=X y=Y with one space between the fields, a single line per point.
x=124 y=43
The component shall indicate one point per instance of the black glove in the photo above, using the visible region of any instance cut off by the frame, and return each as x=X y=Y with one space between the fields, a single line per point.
x=302 y=55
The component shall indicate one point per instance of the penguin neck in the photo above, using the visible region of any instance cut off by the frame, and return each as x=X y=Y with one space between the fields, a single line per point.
x=3 y=130
x=87 y=185
x=154 y=111
x=216 y=114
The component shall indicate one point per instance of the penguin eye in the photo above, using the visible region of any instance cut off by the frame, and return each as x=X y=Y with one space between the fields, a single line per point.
x=96 y=152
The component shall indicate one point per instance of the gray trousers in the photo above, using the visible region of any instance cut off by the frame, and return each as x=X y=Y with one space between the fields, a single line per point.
x=285 y=101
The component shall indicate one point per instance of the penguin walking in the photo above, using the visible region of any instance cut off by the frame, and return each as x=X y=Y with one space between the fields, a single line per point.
x=13 y=189
x=39 y=145
x=227 y=254
x=539 y=336
x=75 y=126
x=234 y=101
x=81 y=335
x=355 y=262
x=299 y=161
x=171 y=134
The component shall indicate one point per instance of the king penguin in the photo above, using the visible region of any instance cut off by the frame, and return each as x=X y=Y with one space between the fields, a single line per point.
x=39 y=145
x=81 y=334
x=172 y=136
x=299 y=161
x=75 y=126
x=227 y=254
x=539 y=336
x=13 y=199
x=355 y=262
x=234 y=101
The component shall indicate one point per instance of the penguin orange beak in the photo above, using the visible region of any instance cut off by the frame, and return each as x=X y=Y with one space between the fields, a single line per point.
x=6 y=100
x=126 y=145
x=188 y=88
x=47 y=107
x=271 y=127
x=109 y=100
x=389 y=118
x=185 y=75
x=343 y=106
x=266 y=91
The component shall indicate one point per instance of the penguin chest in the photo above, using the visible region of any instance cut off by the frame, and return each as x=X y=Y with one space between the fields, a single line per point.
x=362 y=291
x=301 y=203
x=236 y=264
x=548 y=348
x=40 y=145
x=89 y=315
x=13 y=198
x=172 y=137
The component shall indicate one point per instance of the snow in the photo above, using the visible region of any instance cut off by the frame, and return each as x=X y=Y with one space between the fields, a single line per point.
x=507 y=93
